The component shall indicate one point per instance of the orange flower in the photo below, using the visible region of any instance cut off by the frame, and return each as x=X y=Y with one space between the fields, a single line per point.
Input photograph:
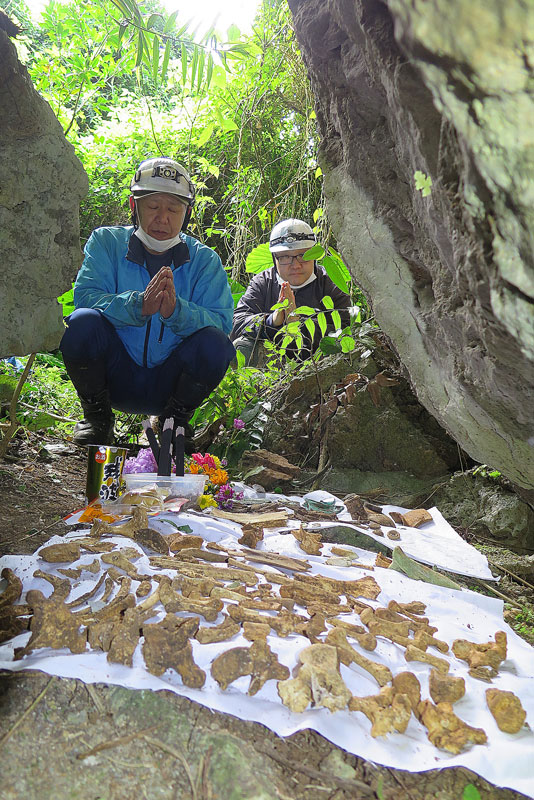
x=195 y=468
x=218 y=476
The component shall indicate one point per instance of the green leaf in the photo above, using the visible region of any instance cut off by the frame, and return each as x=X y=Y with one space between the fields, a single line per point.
x=347 y=344
x=318 y=172
x=153 y=18
x=341 y=264
x=184 y=64
x=165 y=63
x=285 y=341
x=169 y=24
x=227 y=124
x=155 y=57
x=293 y=327
x=317 y=213
x=209 y=71
x=139 y=49
x=39 y=422
x=321 y=321
x=336 y=319
x=200 y=70
x=205 y=134
x=240 y=359
x=335 y=274
x=233 y=33
x=327 y=301
x=470 y=792
x=306 y=311
x=310 y=325
x=8 y=384
x=194 y=64
x=423 y=183
x=218 y=79
x=314 y=253
x=67 y=301
x=259 y=259
x=329 y=345
x=237 y=291
x=251 y=472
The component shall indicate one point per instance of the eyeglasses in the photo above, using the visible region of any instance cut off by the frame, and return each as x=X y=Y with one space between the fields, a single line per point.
x=285 y=261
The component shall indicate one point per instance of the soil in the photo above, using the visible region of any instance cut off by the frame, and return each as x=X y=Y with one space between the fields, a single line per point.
x=61 y=738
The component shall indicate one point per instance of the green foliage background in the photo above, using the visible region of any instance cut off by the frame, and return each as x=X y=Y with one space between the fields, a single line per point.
x=127 y=81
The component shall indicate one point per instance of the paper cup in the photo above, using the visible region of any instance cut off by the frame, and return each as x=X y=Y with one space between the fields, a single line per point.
x=104 y=472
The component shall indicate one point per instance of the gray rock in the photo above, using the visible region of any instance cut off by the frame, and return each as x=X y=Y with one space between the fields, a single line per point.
x=488 y=509
x=41 y=184
x=394 y=434
x=441 y=88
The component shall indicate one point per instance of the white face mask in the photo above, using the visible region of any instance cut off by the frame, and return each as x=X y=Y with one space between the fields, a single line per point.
x=311 y=279
x=160 y=246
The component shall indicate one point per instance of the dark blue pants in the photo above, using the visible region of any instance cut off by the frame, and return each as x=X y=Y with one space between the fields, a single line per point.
x=202 y=358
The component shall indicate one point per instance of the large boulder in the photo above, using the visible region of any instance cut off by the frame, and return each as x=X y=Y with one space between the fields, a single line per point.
x=41 y=185
x=363 y=422
x=443 y=89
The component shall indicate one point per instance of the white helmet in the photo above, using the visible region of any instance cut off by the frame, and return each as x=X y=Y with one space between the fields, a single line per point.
x=291 y=234
x=162 y=175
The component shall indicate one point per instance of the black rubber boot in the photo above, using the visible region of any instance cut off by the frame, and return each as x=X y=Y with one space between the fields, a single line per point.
x=96 y=427
x=89 y=380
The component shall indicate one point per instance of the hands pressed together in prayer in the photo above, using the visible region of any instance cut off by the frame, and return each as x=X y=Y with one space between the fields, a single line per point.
x=282 y=315
x=160 y=294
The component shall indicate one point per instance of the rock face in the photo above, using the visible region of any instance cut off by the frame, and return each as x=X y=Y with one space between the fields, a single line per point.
x=443 y=88
x=41 y=184
x=368 y=429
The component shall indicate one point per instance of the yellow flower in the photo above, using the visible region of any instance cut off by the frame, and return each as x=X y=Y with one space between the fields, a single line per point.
x=206 y=500
x=218 y=476
x=217 y=461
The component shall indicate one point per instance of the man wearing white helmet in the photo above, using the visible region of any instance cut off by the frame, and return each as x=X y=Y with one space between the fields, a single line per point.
x=293 y=278
x=153 y=311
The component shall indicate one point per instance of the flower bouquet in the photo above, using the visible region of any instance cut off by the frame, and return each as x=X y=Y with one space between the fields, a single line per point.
x=218 y=491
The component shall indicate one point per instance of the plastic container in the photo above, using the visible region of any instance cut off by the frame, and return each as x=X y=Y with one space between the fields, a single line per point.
x=190 y=486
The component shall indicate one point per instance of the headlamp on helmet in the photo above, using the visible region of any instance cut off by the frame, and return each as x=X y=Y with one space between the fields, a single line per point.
x=162 y=175
x=291 y=234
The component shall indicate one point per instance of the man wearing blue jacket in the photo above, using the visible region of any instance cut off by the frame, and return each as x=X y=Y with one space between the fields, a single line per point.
x=153 y=311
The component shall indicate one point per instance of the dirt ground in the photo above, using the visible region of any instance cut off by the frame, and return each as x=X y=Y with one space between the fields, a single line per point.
x=62 y=739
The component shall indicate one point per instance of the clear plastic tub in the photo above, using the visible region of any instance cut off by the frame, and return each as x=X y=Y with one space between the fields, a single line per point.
x=189 y=486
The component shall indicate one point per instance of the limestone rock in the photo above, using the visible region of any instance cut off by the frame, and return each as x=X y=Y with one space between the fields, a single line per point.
x=440 y=88
x=397 y=436
x=270 y=469
x=41 y=185
x=489 y=510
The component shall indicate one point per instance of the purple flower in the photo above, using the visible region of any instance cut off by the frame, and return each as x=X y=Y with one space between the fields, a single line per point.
x=226 y=495
x=144 y=461
x=238 y=424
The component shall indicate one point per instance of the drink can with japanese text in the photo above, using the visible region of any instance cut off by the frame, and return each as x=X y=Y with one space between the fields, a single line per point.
x=104 y=472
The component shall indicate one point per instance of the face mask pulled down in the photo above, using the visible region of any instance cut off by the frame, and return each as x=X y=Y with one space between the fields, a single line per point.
x=160 y=246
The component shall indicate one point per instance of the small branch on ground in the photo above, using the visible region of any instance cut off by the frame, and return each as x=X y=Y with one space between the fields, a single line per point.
x=37 y=700
x=13 y=424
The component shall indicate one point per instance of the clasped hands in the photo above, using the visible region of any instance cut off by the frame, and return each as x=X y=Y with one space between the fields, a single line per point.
x=160 y=294
x=282 y=315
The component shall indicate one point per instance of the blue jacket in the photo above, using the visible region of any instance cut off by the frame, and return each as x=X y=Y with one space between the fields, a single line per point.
x=113 y=277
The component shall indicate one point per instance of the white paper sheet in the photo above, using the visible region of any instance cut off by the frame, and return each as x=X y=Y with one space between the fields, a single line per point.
x=457 y=614
x=435 y=543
